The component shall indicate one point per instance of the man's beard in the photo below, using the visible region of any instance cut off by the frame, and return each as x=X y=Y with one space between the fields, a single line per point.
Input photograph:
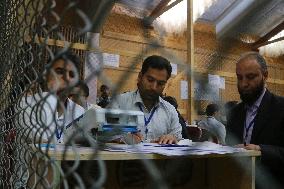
x=250 y=97
x=148 y=94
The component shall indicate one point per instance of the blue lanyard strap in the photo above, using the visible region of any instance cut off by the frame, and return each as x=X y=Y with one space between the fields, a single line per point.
x=248 y=128
x=58 y=132
x=147 y=121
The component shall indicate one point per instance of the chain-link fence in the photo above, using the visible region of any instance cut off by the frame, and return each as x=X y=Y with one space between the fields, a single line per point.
x=35 y=83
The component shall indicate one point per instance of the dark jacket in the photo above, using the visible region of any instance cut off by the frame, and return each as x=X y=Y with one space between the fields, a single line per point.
x=268 y=132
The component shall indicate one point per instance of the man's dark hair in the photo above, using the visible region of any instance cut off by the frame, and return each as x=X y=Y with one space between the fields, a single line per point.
x=256 y=56
x=104 y=88
x=211 y=109
x=156 y=62
x=68 y=55
x=229 y=105
x=84 y=87
x=65 y=56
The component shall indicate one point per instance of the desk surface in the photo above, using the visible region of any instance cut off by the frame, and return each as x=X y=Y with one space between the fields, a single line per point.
x=87 y=153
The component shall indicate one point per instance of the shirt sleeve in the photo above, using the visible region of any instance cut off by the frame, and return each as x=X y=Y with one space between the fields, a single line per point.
x=202 y=124
x=221 y=133
x=36 y=119
x=272 y=156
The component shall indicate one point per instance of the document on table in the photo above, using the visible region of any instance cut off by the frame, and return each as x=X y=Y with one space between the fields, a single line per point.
x=195 y=148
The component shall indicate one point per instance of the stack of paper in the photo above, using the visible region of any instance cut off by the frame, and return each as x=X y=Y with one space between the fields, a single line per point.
x=195 y=148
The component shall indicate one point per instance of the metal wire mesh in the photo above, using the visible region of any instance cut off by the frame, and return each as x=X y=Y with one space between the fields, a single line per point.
x=28 y=113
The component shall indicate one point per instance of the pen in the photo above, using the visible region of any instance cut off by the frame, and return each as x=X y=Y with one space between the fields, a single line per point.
x=171 y=145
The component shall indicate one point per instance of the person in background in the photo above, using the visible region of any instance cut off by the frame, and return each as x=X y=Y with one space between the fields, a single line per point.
x=211 y=124
x=80 y=93
x=257 y=123
x=51 y=112
x=161 y=119
x=173 y=102
x=228 y=106
x=43 y=117
x=62 y=77
x=104 y=99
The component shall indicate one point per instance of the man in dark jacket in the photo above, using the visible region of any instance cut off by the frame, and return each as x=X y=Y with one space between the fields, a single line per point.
x=257 y=123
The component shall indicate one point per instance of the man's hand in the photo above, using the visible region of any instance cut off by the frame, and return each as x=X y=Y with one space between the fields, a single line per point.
x=252 y=147
x=138 y=137
x=167 y=139
x=249 y=147
x=130 y=138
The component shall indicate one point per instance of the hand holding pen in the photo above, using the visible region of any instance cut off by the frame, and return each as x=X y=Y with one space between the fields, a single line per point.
x=137 y=137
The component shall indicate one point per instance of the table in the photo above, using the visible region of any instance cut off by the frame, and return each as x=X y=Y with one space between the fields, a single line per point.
x=213 y=171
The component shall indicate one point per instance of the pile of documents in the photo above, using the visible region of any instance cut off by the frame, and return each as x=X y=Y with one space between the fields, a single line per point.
x=194 y=148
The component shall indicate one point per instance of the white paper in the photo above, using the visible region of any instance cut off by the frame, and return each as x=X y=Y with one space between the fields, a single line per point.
x=214 y=80
x=204 y=91
x=185 y=142
x=213 y=93
x=111 y=60
x=195 y=148
x=222 y=83
x=183 y=89
x=174 y=69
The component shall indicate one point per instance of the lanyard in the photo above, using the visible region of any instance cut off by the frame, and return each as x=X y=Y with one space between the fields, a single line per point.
x=58 y=134
x=248 y=128
x=58 y=131
x=147 y=121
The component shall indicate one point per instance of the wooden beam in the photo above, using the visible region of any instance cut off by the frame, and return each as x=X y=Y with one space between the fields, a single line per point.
x=273 y=41
x=160 y=9
x=190 y=61
x=269 y=35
